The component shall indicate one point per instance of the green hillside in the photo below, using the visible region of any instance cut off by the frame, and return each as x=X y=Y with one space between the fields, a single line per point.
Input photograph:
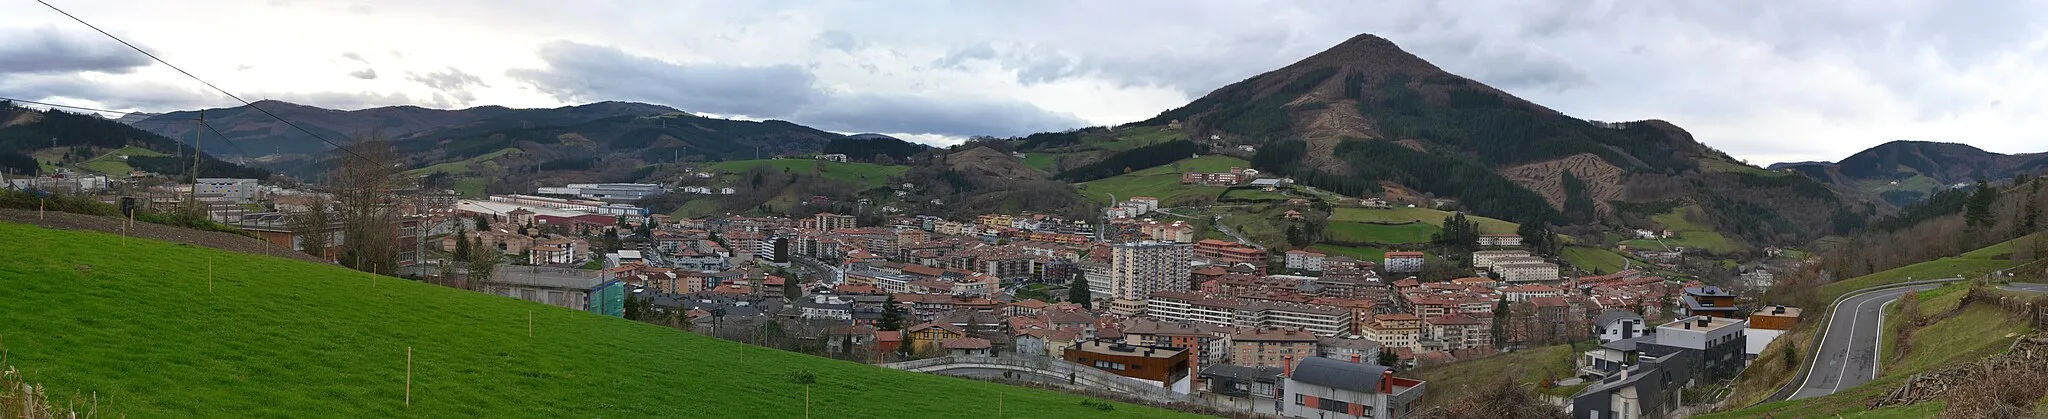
x=135 y=323
x=1162 y=182
x=461 y=167
x=112 y=163
x=1424 y=215
x=866 y=175
x=1355 y=232
x=1933 y=269
x=1594 y=259
x=1691 y=234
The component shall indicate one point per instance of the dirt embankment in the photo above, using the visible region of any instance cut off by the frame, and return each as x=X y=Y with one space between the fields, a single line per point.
x=112 y=225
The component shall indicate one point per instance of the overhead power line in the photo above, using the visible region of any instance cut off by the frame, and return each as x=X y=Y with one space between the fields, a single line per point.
x=337 y=146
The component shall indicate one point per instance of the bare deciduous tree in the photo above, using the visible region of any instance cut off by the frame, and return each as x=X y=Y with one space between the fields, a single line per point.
x=313 y=229
x=363 y=182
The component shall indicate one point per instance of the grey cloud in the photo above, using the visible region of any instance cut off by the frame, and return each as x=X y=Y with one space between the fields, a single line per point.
x=839 y=40
x=365 y=74
x=1531 y=69
x=150 y=96
x=47 y=51
x=927 y=115
x=958 y=58
x=455 y=83
x=578 y=72
x=159 y=97
x=352 y=56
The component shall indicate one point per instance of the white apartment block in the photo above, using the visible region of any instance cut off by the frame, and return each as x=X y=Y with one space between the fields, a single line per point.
x=1486 y=259
x=1527 y=271
x=1187 y=306
x=1138 y=269
x=1305 y=260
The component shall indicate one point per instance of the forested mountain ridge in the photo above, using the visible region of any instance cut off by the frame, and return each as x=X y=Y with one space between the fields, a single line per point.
x=1902 y=172
x=261 y=134
x=626 y=129
x=35 y=141
x=496 y=148
x=1366 y=118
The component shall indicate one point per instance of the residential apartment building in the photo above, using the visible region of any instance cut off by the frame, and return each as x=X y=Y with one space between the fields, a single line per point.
x=1317 y=319
x=1500 y=240
x=1521 y=293
x=1456 y=331
x=1403 y=262
x=1270 y=347
x=1527 y=271
x=1486 y=259
x=1397 y=330
x=1303 y=260
x=1228 y=253
x=1206 y=344
x=1186 y=306
x=1139 y=269
x=829 y=221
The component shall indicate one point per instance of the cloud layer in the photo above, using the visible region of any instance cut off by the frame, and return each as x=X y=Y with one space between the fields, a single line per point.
x=1764 y=80
x=580 y=72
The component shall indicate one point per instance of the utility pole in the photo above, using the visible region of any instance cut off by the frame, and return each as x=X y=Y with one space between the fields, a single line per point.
x=198 y=137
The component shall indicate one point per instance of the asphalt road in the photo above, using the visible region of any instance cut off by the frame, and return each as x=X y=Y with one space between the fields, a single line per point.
x=1849 y=346
x=2025 y=287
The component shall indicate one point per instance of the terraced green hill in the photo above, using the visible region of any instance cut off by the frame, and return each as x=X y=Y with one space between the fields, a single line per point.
x=139 y=324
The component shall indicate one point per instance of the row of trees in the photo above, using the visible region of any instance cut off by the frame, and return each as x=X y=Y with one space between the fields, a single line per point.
x=1140 y=158
x=1945 y=226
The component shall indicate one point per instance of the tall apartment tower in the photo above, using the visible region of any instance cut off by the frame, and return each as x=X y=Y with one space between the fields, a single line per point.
x=1140 y=268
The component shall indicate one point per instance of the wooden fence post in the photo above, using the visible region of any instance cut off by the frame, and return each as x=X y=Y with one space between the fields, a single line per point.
x=408 y=376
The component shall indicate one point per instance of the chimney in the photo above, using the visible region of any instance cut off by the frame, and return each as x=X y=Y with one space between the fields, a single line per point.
x=1387 y=381
x=1287 y=365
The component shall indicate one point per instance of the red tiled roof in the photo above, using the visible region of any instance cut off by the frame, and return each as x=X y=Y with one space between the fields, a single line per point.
x=966 y=343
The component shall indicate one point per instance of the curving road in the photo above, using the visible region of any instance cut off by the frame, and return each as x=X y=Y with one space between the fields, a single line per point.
x=1850 y=344
x=2025 y=287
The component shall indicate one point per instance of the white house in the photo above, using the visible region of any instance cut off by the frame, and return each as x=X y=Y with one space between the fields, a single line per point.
x=1318 y=387
x=1616 y=325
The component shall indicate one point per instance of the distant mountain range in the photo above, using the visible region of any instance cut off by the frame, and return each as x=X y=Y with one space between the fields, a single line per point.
x=1904 y=171
x=629 y=134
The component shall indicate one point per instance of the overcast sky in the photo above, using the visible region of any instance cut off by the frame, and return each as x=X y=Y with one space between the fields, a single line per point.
x=1767 y=81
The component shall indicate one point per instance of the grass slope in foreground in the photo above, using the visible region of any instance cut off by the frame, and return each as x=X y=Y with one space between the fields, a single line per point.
x=278 y=337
